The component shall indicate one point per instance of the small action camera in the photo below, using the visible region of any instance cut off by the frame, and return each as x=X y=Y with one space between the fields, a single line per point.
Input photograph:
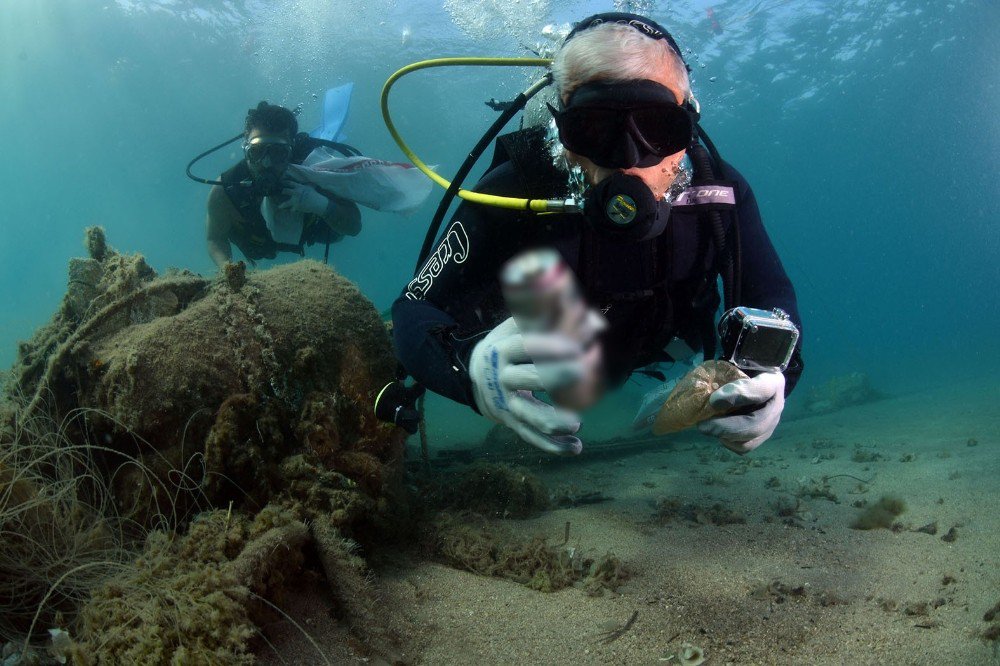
x=755 y=339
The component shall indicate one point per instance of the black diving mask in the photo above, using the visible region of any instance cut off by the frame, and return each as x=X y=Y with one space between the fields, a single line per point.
x=622 y=125
x=267 y=151
x=267 y=157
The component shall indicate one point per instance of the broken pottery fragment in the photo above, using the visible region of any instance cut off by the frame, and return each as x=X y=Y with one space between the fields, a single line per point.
x=688 y=404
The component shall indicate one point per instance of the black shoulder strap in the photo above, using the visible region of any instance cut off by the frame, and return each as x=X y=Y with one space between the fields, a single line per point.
x=714 y=201
x=235 y=175
x=528 y=153
x=236 y=182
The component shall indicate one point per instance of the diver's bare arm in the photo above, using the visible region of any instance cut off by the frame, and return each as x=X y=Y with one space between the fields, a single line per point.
x=343 y=216
x=218 y=225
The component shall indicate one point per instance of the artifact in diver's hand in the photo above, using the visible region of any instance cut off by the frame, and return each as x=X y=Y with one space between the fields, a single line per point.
x=543 y=297
x=688 y=403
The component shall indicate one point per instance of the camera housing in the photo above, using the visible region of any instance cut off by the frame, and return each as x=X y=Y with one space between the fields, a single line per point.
x=758 y=340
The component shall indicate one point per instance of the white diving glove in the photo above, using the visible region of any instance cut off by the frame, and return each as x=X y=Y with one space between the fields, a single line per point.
x=504 y=375
x=303 y=198
x=743 y=433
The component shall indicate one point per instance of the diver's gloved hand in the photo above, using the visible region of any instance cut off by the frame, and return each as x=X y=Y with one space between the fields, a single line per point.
x=303 y=198
x=504 y=375
x=744 y=432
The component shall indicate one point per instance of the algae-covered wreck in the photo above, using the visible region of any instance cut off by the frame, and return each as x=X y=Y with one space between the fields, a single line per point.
x=173 y=448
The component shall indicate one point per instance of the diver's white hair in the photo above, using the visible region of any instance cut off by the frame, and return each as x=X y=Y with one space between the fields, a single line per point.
x=616 y=52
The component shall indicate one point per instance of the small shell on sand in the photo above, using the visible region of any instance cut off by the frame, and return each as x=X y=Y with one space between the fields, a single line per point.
x=688 y=655
x=688 y=404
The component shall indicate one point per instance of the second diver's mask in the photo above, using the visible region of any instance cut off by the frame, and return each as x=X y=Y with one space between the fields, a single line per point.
x=267 y=158
x=622 y=125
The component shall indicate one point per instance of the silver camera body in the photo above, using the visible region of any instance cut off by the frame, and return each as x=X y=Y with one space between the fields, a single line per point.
x=758 y=340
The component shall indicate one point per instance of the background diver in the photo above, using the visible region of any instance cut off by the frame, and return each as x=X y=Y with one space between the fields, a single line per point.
x=300 y=213
x=627 y=118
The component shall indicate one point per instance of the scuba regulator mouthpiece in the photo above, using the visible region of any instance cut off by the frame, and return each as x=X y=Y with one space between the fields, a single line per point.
x=623 y=208
x=265 y=184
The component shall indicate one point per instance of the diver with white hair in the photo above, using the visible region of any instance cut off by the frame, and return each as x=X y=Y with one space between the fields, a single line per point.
x=648 y=251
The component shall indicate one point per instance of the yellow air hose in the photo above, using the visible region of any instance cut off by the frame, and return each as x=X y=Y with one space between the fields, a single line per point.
x=535 y=205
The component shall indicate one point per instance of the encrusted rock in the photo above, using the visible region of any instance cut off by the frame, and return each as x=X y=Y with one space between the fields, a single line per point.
x=95 y=242
x=841 y=392
x=84 y=277
x=235 y=275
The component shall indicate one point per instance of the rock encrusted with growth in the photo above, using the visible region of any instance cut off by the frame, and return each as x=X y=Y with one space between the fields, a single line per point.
x=229 y=421
x=220 y=379
x=841 y=392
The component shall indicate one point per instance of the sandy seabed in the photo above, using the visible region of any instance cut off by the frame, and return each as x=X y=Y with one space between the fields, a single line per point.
x=803 y=588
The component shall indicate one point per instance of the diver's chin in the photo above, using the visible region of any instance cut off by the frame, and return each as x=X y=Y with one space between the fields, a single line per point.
x=635 y=172
x=600 y=174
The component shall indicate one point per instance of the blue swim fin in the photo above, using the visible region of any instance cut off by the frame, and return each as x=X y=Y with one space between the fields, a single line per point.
x=336 y=104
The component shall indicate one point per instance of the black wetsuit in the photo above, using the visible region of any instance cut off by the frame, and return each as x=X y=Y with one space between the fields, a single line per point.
x=649 y=293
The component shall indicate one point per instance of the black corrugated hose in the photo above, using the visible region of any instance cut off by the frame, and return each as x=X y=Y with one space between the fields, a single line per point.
x=704 y=173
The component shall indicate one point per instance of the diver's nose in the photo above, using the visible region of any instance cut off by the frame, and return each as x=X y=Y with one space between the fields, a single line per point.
x=627 y=154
